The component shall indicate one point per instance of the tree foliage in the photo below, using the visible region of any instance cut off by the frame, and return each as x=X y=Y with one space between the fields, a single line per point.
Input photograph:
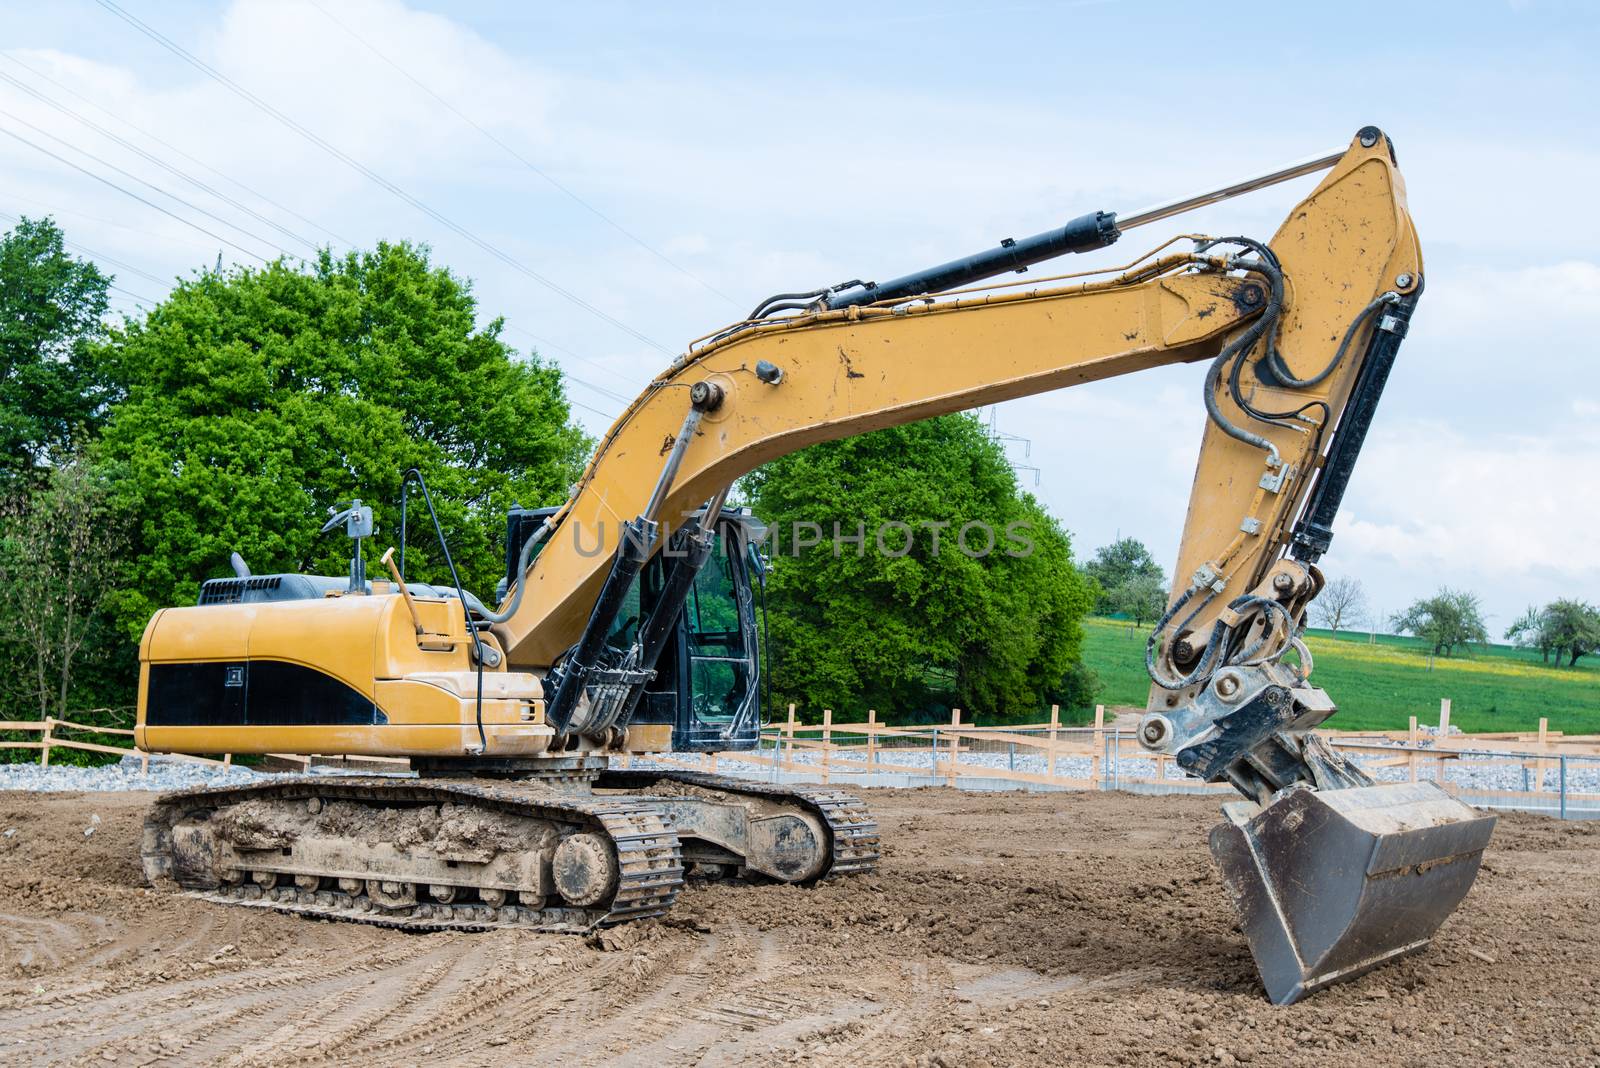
x=1528 y=631
x=59 y=549
x=1126 y=573
x=252 y=401
x=910 y=620
x=1561 y=628
x=1141 y=597
x=1448 y=620
x=51 y=306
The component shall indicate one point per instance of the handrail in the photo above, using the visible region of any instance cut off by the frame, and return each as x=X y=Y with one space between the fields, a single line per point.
x=461 y=594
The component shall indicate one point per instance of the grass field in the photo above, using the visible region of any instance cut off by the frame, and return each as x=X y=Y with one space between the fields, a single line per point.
x=1378 y=686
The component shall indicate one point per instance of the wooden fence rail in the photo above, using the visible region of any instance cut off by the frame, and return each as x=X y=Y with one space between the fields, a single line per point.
x=870 y=747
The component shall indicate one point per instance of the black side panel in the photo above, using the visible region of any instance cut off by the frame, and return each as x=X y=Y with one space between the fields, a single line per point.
x=196 y=695
x=283 y=694
x=257 y=693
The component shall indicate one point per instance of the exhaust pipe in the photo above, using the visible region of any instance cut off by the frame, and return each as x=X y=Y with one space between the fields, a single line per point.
x=1330 y=884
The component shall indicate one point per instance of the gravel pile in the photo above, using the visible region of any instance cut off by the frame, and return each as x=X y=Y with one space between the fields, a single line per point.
x=165 y=774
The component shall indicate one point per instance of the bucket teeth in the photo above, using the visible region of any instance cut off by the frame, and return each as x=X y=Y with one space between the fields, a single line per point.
x=1330 y=884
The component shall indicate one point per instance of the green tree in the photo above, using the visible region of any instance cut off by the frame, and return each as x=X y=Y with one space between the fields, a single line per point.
x=51 y=307
x=1447 y=620
x=251 y=401
x=1531 y=631
x=1141 y=597
x=59 y=551
x=960 y=590
x=1117 y=564
x=1565 y=628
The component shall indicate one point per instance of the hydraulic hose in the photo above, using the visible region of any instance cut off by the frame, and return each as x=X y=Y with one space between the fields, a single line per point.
x=1238 y=347
x=1282 y=372
x=1200 y=669
x=522 y=573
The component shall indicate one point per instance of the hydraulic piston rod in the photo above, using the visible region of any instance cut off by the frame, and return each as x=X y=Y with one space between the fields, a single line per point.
x=1086 y=233
x=1167 y=210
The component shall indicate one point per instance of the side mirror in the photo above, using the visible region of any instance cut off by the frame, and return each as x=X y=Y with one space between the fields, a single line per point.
x=357 y=520
x=358 y=524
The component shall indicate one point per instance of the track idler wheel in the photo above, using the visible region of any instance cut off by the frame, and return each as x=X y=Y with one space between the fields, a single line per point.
x=584 y=869
x=1330 y=884
x=388 y=894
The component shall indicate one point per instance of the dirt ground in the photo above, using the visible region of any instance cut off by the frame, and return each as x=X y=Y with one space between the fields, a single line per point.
x=1002 y=929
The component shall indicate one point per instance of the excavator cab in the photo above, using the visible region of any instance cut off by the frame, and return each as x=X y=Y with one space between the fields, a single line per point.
x=707 y=682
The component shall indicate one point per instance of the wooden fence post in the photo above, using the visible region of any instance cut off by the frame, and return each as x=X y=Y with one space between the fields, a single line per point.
x=827 y=743
x=45 y=739
x=872 y=738
x=1095 y=756
x=1544 y=741
x=955 y=743
x=1050 y=750
x=1438 y=746
x=1412 y=762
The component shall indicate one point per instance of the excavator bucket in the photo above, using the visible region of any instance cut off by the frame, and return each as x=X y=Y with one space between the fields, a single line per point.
x=1330 y=884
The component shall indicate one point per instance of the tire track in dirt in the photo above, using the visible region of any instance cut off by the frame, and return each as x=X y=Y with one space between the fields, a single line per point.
x=30 y=942
x=216 y=1013
x=460 y=1014
x=349 y=1012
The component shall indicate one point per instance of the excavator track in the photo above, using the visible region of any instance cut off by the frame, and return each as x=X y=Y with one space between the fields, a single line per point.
x=649 y=869
x=853 y=833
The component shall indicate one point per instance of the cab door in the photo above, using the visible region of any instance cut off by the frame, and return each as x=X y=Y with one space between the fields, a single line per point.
x=719 y=650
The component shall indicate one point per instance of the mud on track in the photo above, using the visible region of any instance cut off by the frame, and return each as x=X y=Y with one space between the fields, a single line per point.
x=1002 y=929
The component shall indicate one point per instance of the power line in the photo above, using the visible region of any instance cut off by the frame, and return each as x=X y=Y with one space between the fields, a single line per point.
x=596 y=364
x=373 y=175
x=147 y=183
x=174 y=171
x=519 y=157
x=150 y=185
x=127 y=192
x=99 y=256
x=606 y=393
x=131 y=293
x=174 y=148
x=607 y=416
x=54 y=210
x=146 y=275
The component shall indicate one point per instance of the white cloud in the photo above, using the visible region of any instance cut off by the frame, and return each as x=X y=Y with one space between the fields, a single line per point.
x=1430 y=497
x=1535 y=300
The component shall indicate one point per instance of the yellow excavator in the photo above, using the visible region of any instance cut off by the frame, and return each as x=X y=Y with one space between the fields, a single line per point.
x=626 y=620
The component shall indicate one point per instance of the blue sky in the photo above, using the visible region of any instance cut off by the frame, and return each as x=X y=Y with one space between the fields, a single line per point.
x=767 y=148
